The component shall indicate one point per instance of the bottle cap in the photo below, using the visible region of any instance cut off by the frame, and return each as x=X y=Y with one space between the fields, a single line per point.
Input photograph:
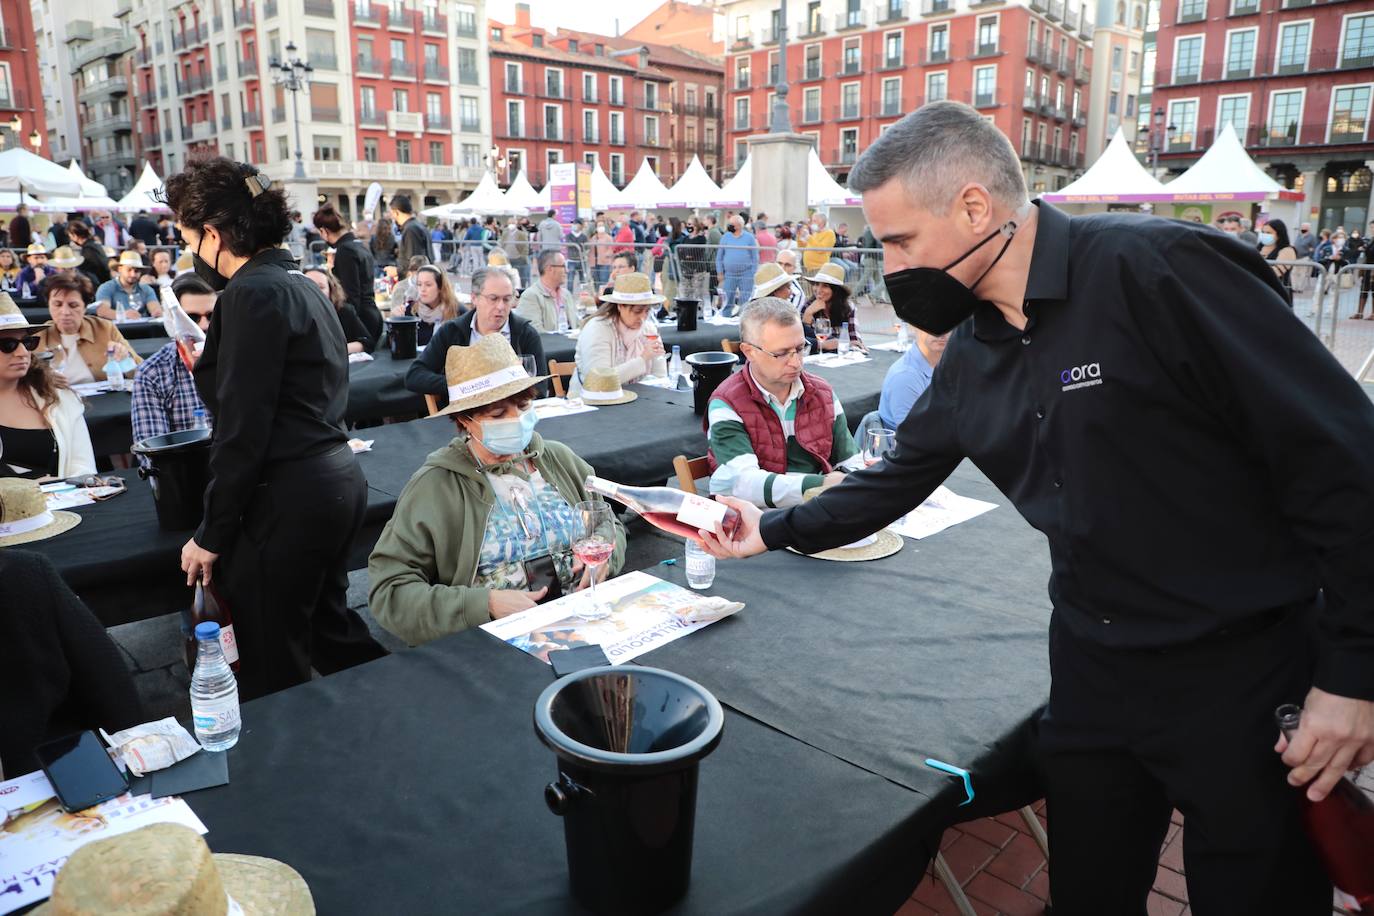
x=207 y=630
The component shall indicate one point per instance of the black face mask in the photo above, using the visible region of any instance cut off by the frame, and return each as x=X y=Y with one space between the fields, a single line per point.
x=210 y=274
x=931 y=299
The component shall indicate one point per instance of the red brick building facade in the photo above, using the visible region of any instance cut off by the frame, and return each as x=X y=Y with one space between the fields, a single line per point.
x=21 y=91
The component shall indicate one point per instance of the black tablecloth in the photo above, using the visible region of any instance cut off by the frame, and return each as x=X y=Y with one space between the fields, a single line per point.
x=125 y=567
x=705 y=337
x=414 y=785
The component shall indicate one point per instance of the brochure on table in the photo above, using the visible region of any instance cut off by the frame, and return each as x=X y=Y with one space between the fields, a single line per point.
x=646 y=613
x=36 y=842
x=942 y=509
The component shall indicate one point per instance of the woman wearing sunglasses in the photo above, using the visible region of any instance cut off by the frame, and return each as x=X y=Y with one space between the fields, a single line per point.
x=42 y=422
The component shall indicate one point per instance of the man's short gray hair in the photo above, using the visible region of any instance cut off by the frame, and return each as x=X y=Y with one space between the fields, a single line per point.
x=546 y=258
x=481 y=275
x=766 y=310
x=936 y=150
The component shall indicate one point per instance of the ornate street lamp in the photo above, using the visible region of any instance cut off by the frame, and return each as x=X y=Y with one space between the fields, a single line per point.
x=293 y=75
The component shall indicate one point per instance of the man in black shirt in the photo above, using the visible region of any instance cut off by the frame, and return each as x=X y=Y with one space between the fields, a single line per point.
x=414 y=240
x=1198 y=462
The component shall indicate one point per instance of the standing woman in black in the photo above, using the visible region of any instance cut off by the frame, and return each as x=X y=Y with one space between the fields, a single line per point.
x=286 y=496
x=354 y=267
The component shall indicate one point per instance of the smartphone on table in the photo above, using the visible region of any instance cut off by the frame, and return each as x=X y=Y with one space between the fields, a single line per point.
x=81 y=771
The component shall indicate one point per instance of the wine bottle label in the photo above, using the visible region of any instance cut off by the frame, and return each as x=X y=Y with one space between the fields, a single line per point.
x=229 y=644
x=700 y=512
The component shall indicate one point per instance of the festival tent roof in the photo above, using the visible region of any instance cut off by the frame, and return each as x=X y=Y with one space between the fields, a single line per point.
x=92 y=197
x=485 y=200
x=605 y=195
x=522 y=194
x=644 y=190
x=694 y=189
x=142 y=196
x=89 y=186
x=821 y=189
x=21 y=170
x=545 y=197
x=1116 y=176
x=1226 y=172
x=738 y=191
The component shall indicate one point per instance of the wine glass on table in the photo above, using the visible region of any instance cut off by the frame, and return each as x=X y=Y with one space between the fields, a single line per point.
x=878 y=444
x=651 y=336
x=593 y=544
x=821 y=325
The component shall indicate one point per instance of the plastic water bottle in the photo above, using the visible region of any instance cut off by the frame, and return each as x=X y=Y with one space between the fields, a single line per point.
x=26 y=293
x=214 y=693
x=199 y=419
x=701 y=566
x=675 y=366
x=842 y=347
x=113 y=374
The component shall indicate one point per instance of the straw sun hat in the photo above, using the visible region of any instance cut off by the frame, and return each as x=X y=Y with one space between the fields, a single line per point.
x=185 y=262
x=483 y=374
x=633 y=289
x=64 y=257
x=601 y=388
x=24 y=515
x=167 y=868
x=874 y=547
x=12 y=317
x=829 y=273
x=768 y=278
x=131 y=259
x=35 y=248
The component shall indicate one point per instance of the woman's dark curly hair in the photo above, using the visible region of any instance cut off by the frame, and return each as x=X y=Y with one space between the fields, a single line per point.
x=219 y=192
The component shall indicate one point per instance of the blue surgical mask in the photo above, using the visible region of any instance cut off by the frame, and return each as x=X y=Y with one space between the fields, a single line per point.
x=509 y=437
x=1267 y=238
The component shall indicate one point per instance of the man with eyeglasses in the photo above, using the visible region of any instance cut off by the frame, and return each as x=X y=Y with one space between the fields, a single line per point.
x=493 y=298
x=547 y=302
x=774 y=430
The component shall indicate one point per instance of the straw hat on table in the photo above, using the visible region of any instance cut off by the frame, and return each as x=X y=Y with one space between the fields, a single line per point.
x=483 y=374
x=166 y=869
x=24 y=515
x=768 y=278
x=601 y=388
x=64 y=257
x=633 y=289
x=831 y=273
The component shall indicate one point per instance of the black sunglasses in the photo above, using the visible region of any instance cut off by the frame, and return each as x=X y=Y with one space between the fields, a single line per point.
x=9 y=344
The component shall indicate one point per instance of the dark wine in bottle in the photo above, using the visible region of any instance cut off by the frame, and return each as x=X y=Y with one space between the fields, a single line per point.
x=674 y=511
x=1341 y=827
x=209 y=605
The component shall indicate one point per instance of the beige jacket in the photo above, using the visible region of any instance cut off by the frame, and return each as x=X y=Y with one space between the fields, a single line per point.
x=537 y=307
x=95 y=335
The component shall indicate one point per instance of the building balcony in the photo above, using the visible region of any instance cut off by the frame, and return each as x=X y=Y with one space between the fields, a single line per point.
x=466 y=27
x=162 y=90
x=166 y=135
x=362 y=172
x=847 y=111
x=326 y=113
x=198 y=36
x=848 y=68
x=468 y=77
x=324 y=61
x=366 y=64
x=144 y=57
x=1192 y=13
x=218 y=23
x=158 y=48
x=851 y=19
x=1030 y=101
x=148 y=99
x=278 y=115
x=150 y=139
x=936 y=7
x=934 y=56
x=742 y=43
x=226 y=121
x=436 y=73
x=811 y=115
x=983 y=49
x=371 y=117
x=894 y=62
x=178 y=41
x=269 y=9
x=193 y=85
x=222 y=73
x=892 y=11
x=1081 y=75
x=812 y=29
x=252 y=118
x=591 y=139
x=110 y=162
x=202 y=130
x=247 y=67
x=405 y=122
x=514 y=132
x=367 y=14
x=1035 y=51
x=742 y=82
x=243 y=16
x=986 y=100
x=1050 y=58
x=115 y=46
x=108 y=125
x=555 y=133
x=888 y=108
x=401 y=69
x=438 y=121
x=1055 y=11
x=1244 y=7
x=323 y=8
x=433 y=22
x=810 y=72
x=645 y=103
x=1079 y=120
x=615 y=139
x=843 y=156
x=186 y=132
x=115 y=86
x=556 y=92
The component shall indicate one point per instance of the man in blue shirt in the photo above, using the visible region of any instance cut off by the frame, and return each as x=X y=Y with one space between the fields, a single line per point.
x=736 y=260
x=124 y=298
x=909 y=377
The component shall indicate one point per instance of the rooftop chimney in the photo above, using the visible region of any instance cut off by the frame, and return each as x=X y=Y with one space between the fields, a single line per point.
x=522 y=15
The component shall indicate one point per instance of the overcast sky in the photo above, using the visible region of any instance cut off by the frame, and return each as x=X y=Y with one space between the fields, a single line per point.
x=583 y=16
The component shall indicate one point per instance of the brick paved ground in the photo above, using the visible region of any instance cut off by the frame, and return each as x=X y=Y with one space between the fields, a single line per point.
x=1002 y=871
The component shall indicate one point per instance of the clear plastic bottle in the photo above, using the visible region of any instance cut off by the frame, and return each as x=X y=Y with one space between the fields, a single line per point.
x=113 y=374
x=842 y=340
x=214 y=693
x=199 y=419
x=675 y=366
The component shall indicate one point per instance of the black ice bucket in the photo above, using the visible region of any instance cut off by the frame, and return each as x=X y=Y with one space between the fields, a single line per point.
x=709 y=369
x=628 y=742
x=402 y=333
x=178 y=471
x=686 y=313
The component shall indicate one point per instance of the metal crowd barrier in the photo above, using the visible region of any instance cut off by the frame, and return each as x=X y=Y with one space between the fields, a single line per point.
x=1354 y=347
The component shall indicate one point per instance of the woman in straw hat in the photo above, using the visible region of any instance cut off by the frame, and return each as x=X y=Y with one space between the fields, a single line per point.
x=830 y=300
x=486 y=513
x=621 y=335
x=286 y=496
x=42 y=422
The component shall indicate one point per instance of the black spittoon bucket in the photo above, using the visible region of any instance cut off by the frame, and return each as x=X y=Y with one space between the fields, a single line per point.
x=403 y=333
x=709 y=369
x=686 y=313
x=178 y=471
x=628 y=742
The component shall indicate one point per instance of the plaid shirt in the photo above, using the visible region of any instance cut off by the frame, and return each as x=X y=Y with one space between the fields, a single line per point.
x=164 y=396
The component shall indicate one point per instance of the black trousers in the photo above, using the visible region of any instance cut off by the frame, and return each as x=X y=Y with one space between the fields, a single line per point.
x=1129 y=735
x=286 y=575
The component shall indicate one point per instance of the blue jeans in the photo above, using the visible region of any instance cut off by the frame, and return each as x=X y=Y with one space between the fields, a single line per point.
x=735 y=289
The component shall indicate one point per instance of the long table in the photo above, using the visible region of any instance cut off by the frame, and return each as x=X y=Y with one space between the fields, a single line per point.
x=126 y=568
x=376 y=388
x=422 y=776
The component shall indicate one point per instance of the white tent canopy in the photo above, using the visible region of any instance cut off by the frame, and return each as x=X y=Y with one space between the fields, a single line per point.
x=1226 y=169
x=21 y=170
x=1116 y=176
x=644 y=191
x=545 y=197
x=821 y=189
x=485 y=200
x=605 y=195
x=142 y=196
x=89 y=186
x=521 y=195
x=738 y=191
x=92 y=197
x=694 y=189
